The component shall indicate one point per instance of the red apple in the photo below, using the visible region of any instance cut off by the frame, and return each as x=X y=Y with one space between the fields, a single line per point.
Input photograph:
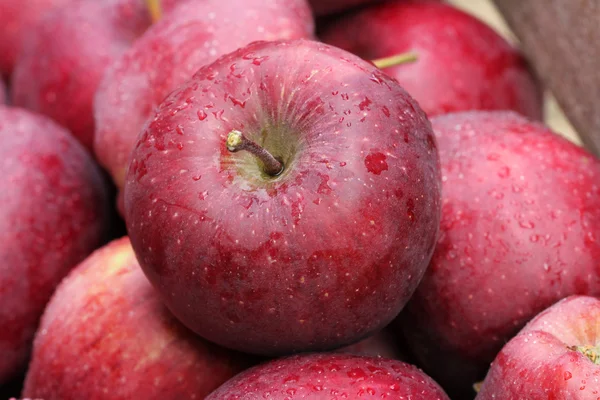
x=17 y=18
x=169 y=54
x=269 y=261
x=555 y=356
x=462 y=64
x=63 y=59
x=54 y=212
x=106 y=335
x=331 y=376
x=519 y=231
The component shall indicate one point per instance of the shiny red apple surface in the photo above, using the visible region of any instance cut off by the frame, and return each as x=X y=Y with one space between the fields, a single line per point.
x=328 y=376
x=462 y=64
x=519 y=231
x=318 y=256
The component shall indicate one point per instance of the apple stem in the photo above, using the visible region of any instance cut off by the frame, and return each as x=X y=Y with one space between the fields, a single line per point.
x=591 y=352
x=154 y=9
x=236 y=141
x=394 y=60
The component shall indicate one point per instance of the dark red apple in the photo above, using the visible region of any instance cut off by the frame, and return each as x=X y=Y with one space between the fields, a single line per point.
x=107 y=335
x=54 y=212
x=555 y=356
x=331 y=376
x=519 y=231
x=315 y=256
x=64 y=57
x=17 y=19
x=462 y=64
x=170 y=52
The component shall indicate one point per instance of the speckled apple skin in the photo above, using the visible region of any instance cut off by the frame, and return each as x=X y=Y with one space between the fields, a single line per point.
x=54 y=212
x=319 y=257
x=519 y=231
x=17 y=18
x=170 y=52
x=63 y=59
x=537 y=363
x=331 y=377
x=462 y=63
x=107 y=335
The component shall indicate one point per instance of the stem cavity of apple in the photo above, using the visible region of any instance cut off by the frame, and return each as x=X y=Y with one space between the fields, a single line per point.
x=398 y=59
x=154 y=9
x=591 y=352
x=236 y=141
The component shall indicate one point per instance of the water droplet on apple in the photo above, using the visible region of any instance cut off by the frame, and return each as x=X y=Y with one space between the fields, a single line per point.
x=237 y=102
x=376 y=163
x=202 y=115
x=589 y=238
x=357 y=374
x=526 y=224
x=517 y=188
x=365 y=104
x=504 y=172
x=568 y=375
x=546 y=267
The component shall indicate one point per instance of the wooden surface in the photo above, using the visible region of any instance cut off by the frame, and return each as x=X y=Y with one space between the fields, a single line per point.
x=486 y=11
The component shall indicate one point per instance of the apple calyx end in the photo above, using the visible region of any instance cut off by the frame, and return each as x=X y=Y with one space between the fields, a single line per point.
x=591 y=352
x=154 y=9
x=397 y=59
x=236 y=141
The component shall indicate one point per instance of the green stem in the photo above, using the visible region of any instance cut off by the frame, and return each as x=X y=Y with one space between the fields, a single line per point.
x=591 y=352
x=394 y=60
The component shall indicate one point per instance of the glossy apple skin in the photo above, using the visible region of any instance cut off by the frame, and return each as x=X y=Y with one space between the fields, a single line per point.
x=322 y=255
x=54 y=212
x=330 y=376
x=519 y=229
x=462 y=63
x=17 y=18
x=63 y=59
x=170 y=52
x=537 y=364
x=107 y=335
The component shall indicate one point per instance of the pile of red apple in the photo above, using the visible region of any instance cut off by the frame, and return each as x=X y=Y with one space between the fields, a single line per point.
x=223 y=199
